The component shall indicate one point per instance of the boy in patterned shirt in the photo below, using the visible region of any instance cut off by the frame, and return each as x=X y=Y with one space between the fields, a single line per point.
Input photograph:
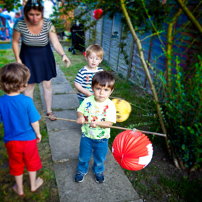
x=97 y=109
x=82 y=82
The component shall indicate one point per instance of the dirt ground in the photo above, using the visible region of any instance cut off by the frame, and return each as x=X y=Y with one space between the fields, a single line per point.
x=161 y=181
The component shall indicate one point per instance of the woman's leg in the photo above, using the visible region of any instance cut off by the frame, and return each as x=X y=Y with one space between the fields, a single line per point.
x=18 y=187
x=29 y=91
x=48 y=94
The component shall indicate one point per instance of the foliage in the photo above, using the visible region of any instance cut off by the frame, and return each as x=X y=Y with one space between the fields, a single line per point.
x=10 y=4
x=183 y=113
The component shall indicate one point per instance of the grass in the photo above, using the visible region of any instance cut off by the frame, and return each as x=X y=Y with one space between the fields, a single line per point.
x=48 y=192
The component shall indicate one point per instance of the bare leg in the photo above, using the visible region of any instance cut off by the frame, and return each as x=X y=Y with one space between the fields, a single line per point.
x=18 y=187
x=35 y=183
x=48 y=94
x=29 y=91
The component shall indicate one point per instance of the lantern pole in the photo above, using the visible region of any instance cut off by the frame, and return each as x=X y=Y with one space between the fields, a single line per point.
x=115 y=127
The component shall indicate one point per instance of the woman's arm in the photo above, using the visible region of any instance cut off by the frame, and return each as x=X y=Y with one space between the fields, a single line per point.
x=15 y=45
x=57 y=46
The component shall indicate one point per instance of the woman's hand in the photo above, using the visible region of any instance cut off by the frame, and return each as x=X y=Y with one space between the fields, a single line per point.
x=19 y=61
x=66 y=60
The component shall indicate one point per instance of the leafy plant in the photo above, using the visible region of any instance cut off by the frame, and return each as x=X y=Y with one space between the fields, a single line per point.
x=183 y=113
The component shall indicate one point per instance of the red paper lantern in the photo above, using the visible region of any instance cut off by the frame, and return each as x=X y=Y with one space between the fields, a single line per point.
x=132 y=150
x=97 y=14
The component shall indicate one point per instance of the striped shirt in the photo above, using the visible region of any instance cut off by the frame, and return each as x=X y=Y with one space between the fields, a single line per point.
x=84 y=78
x=30 y=39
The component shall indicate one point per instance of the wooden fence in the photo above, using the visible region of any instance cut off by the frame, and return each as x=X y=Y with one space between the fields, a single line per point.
x=152 y=48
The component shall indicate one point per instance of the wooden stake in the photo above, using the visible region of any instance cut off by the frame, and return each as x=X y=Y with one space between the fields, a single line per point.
x=115 y=127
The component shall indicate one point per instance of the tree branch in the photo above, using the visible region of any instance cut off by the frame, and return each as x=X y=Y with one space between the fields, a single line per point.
x=191 y=17
x=141 y=55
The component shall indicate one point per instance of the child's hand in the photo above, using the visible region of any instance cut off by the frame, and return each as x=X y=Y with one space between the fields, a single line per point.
x=80 y=120
x=38 y=138
x=93 y=124
x=88 y=94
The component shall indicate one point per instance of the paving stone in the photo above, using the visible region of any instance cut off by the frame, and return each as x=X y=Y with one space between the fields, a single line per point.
x=63 y=125
x=62 y=88
x=64 y=144
x=63 y=101
x=116 y=187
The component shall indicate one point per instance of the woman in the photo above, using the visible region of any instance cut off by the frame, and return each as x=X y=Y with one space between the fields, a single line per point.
x=36 y=52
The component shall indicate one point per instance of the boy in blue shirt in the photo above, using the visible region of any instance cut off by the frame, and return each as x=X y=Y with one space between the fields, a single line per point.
x=82 y=82
x=21 y=127
x=97 y=109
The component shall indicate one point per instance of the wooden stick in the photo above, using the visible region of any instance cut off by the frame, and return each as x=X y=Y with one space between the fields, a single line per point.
x=115 y=127
x=72 y=92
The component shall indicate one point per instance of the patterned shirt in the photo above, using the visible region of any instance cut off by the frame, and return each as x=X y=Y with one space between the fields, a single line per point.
x=84 y=78
x=97 y=111
x=30 y=39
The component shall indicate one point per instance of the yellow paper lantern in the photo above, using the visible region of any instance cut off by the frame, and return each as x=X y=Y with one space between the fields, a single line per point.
x=123 y=109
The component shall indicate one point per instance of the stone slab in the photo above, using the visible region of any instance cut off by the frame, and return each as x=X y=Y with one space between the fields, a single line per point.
x=66 y=101
x=59 y=79
x=65 y=144
x=63 y=125
x=63 y=101
x=116 y=187
x=62 y=88
x=59 y=71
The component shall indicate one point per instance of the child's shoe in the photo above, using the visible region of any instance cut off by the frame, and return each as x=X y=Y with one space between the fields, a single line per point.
x=99 y=178
x=79 y=177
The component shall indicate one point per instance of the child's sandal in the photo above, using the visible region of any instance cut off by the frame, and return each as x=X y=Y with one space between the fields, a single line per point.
x=51 y=115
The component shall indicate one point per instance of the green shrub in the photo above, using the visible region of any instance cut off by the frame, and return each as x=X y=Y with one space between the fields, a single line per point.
x=183 y=113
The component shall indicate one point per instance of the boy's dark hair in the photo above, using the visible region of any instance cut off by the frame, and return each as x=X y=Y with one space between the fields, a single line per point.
x=30 y=5
x=13 y=76
x=103 y=78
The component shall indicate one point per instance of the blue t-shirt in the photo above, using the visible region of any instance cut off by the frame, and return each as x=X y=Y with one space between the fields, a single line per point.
x=17 y=113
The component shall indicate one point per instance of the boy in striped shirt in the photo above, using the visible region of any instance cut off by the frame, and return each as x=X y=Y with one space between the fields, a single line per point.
x=83 y=80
